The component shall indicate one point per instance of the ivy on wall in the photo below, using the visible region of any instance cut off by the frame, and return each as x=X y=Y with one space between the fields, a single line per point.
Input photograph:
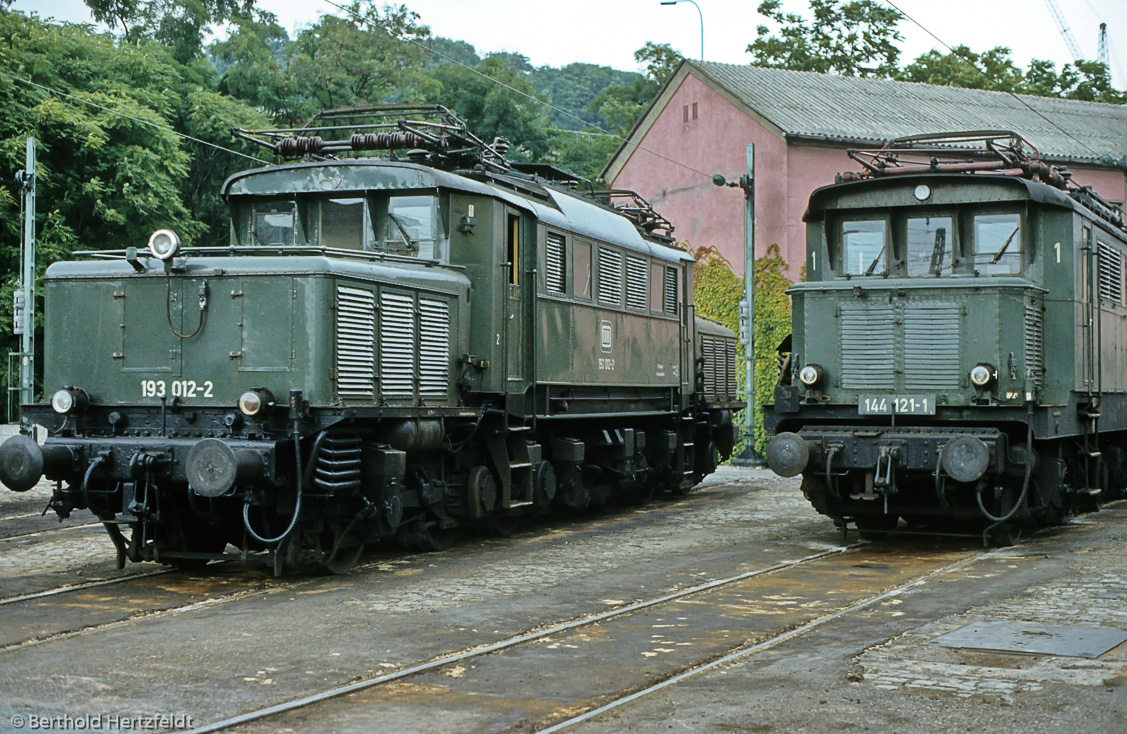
x=718 y=292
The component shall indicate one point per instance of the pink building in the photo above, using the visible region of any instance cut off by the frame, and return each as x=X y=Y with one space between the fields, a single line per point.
x=802 y=123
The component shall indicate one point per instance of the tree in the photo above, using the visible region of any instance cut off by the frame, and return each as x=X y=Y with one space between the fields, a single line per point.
x=660 y=60
x=1085 y=80
x=571 y=90
x=854 y=38
x=495 y=100
x=368 y=57
x=1089 y=81
x=178 y=25
x=448 y=51
x=620 y=105
x=964 y=68
x=252 y=60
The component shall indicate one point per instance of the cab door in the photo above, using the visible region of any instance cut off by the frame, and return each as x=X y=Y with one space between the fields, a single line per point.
x=518 y=269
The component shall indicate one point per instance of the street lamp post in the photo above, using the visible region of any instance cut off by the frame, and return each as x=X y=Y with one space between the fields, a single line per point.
x=674 y=2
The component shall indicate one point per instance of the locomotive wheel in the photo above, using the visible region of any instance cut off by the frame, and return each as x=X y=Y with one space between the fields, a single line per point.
x=645 y=491
x=876 y=527
x=481 y=492
x=420 y=535
x=345 y=560
x=503 y=525
x=1005 y=535
x=191 y=537
x=342 y=559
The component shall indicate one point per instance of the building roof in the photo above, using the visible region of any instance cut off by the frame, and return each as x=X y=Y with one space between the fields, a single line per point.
x=855 y=112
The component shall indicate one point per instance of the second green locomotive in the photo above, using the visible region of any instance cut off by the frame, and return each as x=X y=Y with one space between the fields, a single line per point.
x=958 y=349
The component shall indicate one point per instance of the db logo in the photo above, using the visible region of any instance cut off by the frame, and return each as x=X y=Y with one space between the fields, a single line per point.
x=606 y=336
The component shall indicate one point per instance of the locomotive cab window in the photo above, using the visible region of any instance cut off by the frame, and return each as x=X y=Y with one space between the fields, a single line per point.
x=343 y=224
x=864 y=245
x=582 y=270
x=409 y=228
x=997 y=244
x=930 y=245
x=272 y=223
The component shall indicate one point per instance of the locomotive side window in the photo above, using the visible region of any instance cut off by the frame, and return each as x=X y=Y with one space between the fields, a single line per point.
x=410 y=226
x=342 y=223
x=931 y=244
x=273 y=223
x=657 y=294
x=997 y=244
x=582 y=272
x=863 y=245
x=513 y=247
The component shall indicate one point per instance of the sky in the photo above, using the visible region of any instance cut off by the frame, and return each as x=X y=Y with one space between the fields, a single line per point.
x=607 y=32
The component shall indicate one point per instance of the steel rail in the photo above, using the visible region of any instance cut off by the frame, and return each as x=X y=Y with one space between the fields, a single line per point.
x=537 y=634
x=82 y=586
x=763 y=645
x=50 y=531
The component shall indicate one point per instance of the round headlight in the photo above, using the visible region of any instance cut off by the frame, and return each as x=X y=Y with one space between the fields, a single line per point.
x=69 y=400
x=922 y=192
x=982 y=374
x=256 y=402
x=164 y=244
x=811 y=375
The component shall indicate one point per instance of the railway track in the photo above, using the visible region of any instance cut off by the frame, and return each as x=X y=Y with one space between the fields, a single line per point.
x=609 y=627
x=76 y=607
x=7 y=535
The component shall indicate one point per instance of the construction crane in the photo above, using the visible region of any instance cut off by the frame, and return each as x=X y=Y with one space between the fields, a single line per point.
x=1102 y=54
x=1065 y=33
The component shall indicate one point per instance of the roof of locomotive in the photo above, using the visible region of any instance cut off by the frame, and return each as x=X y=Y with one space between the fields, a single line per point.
x=964 y=166
x=551 y=205
x=823 y=198
x=969 y=184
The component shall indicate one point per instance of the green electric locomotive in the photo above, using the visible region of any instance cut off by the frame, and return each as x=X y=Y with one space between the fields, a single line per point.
x=958 y=347
x=407 y=336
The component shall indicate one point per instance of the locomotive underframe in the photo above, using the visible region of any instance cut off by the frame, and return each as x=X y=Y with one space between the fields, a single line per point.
x=872 y=472
x=358 y=480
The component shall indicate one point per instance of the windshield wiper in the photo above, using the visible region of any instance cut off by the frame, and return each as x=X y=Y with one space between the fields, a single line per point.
x=402 y=230
x=1002 y=251
x=873 y=265
x=938 y=250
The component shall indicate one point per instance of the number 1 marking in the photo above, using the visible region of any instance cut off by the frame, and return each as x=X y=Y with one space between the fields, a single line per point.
x=1057 y=246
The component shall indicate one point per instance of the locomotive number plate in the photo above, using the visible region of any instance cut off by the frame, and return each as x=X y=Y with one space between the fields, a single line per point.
x=903 y=404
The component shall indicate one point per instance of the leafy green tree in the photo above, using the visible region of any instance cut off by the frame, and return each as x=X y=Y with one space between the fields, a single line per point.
x=851 y=38
x=495 y=100
x=580 y=152
x=252 y=62
x=1085 y=80
x=964 y=68
x=660 y=59
x=620 y=105
x=1089 y=81
x=448 y=51
x=367 y=57
x=178 y=25
x=571 y=90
